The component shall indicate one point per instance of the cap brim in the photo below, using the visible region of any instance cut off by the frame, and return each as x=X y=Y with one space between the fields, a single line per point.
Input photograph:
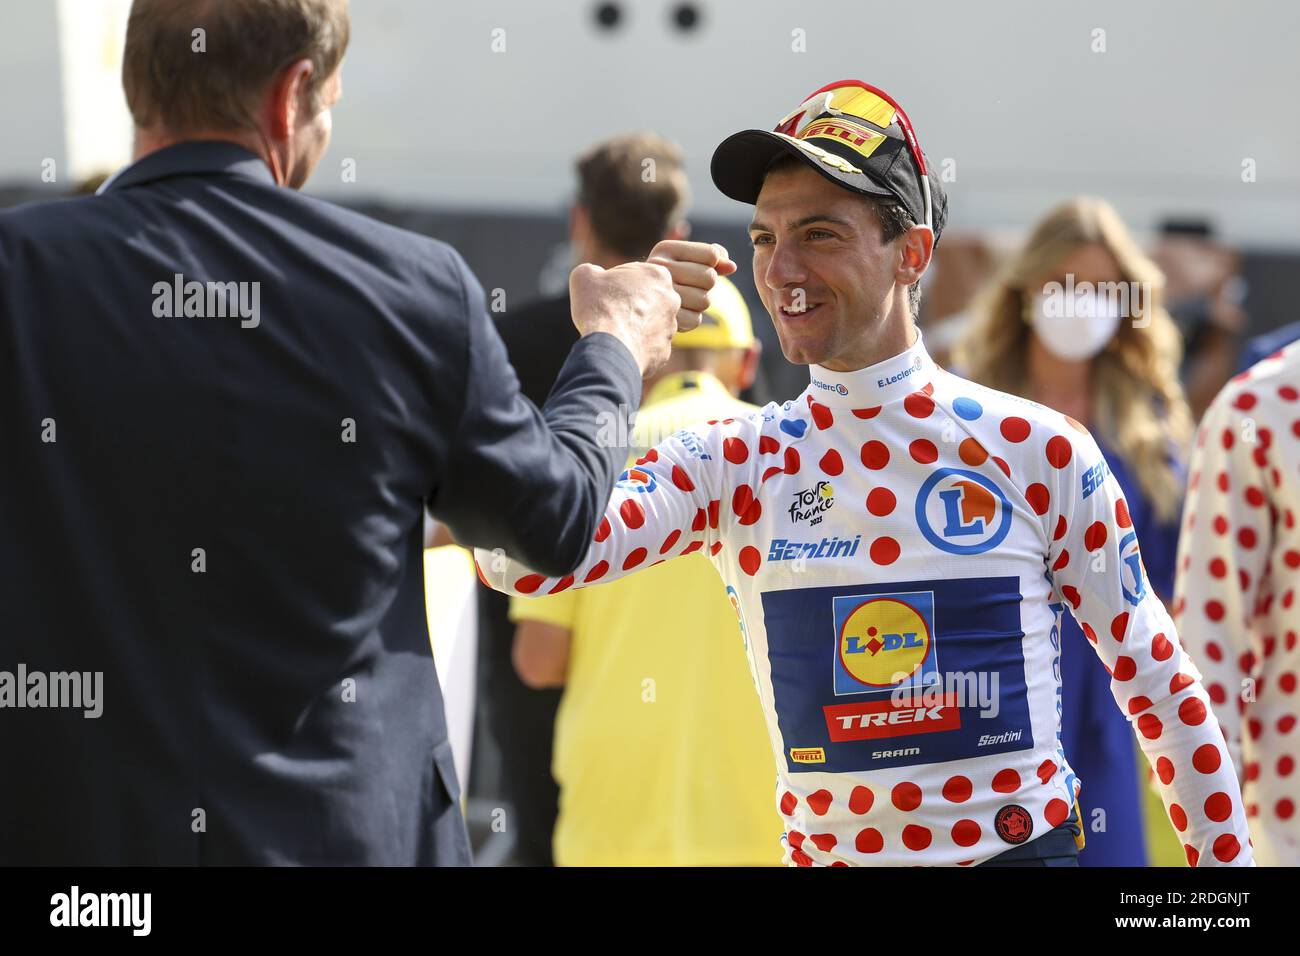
x=741 y=160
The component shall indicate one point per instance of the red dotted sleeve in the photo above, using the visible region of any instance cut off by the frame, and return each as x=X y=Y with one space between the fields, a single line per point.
x=668 y=503
x=1226 y=538
x=1095 y=566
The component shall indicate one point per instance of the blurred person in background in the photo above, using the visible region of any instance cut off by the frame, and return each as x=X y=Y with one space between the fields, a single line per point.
x=632 y=193
x=1204 y=292
x=1236 y=605
x=1114 y=370
x=661 y=753
x=958 y=271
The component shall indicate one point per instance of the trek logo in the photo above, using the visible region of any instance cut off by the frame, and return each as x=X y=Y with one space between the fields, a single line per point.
x=1132 y=577
x=782 y=550
x=883 y=642
x=1094 y=477
x=899 y=376
x=869 y=720
x=811 y=503
x=638 y=480
x=827 y=387
x=962 y=512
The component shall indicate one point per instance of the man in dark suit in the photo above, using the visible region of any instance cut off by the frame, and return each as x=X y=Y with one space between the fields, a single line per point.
x=226 y=407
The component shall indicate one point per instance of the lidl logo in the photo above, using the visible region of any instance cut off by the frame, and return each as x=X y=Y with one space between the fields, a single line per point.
x=636 y=479
x=962 y=512
x=883 y=642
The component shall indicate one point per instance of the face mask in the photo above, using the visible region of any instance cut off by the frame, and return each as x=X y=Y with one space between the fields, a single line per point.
x=1076 y=329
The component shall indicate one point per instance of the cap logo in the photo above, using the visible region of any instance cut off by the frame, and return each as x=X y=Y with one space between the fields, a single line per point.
x=861 y=140
x=830 y=159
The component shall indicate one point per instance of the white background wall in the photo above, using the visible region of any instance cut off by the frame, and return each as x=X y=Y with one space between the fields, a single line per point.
x=1010 y=90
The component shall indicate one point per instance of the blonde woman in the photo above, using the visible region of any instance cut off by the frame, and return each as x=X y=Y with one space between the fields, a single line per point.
x=1074 y=321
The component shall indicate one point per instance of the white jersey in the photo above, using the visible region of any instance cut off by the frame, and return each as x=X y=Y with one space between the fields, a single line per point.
x=1238 y=574
x=900 y=544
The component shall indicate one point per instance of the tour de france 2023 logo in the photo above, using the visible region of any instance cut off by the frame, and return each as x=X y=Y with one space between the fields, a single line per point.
x=962 y=512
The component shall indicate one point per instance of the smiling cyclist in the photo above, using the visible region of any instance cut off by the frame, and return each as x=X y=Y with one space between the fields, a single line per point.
x=903 y=629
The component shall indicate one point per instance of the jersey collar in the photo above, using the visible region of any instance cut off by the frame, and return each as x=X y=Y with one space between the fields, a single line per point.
x=878 y=384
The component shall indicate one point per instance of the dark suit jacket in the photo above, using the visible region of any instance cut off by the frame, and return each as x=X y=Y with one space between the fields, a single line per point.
x=223 y=516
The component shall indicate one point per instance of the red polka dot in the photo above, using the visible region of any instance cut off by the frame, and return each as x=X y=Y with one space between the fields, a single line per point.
x=1059 y=451
x=1006 y=781
x=603 y=531
x=1150 y=727
x=1285 y=808
x=1119 y=627
x=832 y=463
x=1245 y=401
x=1220 y=525
x=958 y=790
x=1165 y=770
x=1045 y=771
x=671 y=540
x=1192 y=712
x=1056 y=812
x=819 y=801
x=1038 y=497
x=750 y=559
x=701 y=518
x=860 y=800
x=881 y=501
x=1178 y=682
x=885 y=550
x=821 y=415
x=681 y=479
x=633 y=514
x=715 y=547
x=923 y=451
x=692 y=547
x=1285 y=724
x=919 y=405
x=634 y=558
x=1015 y=429
x=748 y=508
x=1214 y=611
x=823 y=841
x=867 y=412
x=1061 y=528
x=1192 y=854
x=800 y=858
x=1161 y=648
x=788 y=802
x=875 y=455
x=1218 y=568
x=1006 y=469
x=1218 y=806
x=791 y=461
x=1178 y=817
x=1071 y=594
x=869 y=841
x=972 y=452
x=529 y=583
x=1226 y=848
x=767 y=445
x=563 y=584
x=1138 y=704
x=1227 y=438
x=735 y=450
x=1287 y=683
x=916 y=837
x=1095 y=536
x=966 y=833
x=1061 y=561
x=1121 y=514
x=597 y=572
x=1206 y=758
x=906 y=796
x=714 y=506
x=1088 y=632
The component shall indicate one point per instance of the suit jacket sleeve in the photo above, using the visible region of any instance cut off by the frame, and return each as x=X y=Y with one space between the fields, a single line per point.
x=534 y=483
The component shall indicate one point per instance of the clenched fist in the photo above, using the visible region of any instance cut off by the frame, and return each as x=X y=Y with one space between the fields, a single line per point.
x=644 y=303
